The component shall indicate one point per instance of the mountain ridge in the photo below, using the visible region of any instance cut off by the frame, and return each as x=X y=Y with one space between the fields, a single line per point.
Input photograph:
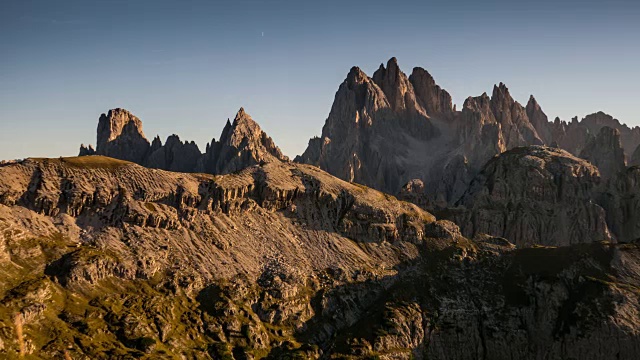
x=442 y=147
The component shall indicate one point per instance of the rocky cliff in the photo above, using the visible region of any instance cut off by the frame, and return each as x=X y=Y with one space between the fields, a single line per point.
x=621 y=200
x=120 y=136
x=103 y=258
x=605 y=152
x=534 y=196
x=386 y=130
x=241 y=144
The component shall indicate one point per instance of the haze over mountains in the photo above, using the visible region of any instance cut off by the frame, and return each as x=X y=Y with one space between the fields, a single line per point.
x=409 y=230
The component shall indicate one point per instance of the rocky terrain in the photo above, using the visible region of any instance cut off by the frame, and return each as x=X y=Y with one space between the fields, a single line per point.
x=511 y=237
x=102 y=258
x=534 y=196
x=386 y=130
x=242 y=143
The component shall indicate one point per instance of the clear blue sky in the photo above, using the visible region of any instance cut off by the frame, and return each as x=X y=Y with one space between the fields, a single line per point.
x=186 y=66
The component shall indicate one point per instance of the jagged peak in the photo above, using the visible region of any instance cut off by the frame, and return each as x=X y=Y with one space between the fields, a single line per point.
x=392 y=63
x=602 y=118
x=240 y=114
x=156 y=143
x=119 y=111
x=420 y=71
x=356 y=76
x=244 y=119
x=392 y=70
x=173 y=139
x=243 y=126
x=116 y=122
x=476 y=102
x=501 y=91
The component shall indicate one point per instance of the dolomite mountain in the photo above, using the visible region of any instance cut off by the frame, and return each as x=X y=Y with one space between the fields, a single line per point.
x=139 y=249
x=385 y=130
x=241 y=144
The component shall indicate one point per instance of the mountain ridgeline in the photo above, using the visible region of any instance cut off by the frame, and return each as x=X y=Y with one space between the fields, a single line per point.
x=242 y=144
x=510 y=237
x=402 y=135
x=388 y=129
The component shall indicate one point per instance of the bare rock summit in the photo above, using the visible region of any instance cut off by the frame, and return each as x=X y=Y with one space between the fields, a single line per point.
x=241 y=144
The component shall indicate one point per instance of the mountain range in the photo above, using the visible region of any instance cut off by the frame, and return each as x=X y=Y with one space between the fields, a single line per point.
x=407 y=230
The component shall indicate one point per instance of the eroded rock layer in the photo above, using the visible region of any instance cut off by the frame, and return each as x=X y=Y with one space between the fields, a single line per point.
x=534 y=196
x=102 y=258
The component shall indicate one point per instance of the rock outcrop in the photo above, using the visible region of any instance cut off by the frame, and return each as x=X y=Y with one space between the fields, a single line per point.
x=621 y=200
x=120 y=136
x=540 y=121
x=86 y=150
x=175 y=155
x=386 y=130
x=534 y=196
x=241 y=145
x=635 y=157
x=605 y=151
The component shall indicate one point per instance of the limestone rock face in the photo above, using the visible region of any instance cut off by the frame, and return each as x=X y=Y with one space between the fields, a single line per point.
x=534 y=195
x=605 y=151
x=414 y=191
x=86 y=150
x=120 y=136
x=433 y=99
x=396 y=87
x=241 y=144
x=621 y=200
x=386 y=130
x=635 y=157
x=517 y=130
x=539 y=121
x=174 y=155
x=352 y=146
x=573 y=136
x=629 y=137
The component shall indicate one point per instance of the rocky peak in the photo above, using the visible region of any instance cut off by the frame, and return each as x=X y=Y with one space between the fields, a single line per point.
x=478 y=103
x=553 y=191
x=242 y=144
x=246 y=134
x=156 y=143
x=396 y=86
x=120 y=136
x=356 y=76
x=605 y=151
x=117 y=122
x=601 y=119
x=431 y=97
x=86 y=150
x=539 y=120
x=516 y=127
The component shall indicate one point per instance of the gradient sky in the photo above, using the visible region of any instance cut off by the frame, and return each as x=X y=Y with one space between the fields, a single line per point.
x=186 y=66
